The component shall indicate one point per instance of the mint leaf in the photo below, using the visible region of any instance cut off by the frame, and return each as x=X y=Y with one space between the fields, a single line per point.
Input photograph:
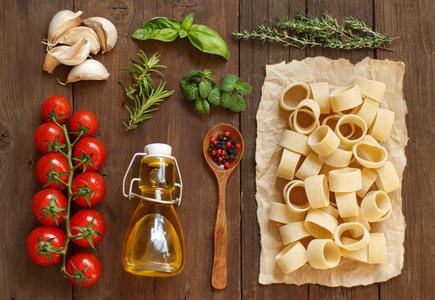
x=195 y=72
x=229 y=82
x=205 y=88
x=226 y=100
x=238 y=104
x=209 y=72
x=243 y=88
x=190 y=91
x=202 y=106
x=214 y=97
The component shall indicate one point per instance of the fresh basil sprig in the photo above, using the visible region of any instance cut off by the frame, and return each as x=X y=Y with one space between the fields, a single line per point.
x=199 y=87
x=166 y=30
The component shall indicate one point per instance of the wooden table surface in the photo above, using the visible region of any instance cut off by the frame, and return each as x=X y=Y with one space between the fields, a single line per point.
x=24 y=87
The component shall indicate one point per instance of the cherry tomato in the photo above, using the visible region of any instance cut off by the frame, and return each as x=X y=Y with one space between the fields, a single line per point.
x=59 y=104
x=90 y=145
x=47 y=133
x=46 y=167
x=81 y=261
x=95 y=189
x=86 y=118
x=48 y=205
x=39 y=240
x=90 y=225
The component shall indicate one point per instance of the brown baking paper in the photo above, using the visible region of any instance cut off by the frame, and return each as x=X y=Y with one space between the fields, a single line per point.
x=272 y=121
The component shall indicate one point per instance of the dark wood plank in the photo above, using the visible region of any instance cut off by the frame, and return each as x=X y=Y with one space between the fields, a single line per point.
x=411 y=23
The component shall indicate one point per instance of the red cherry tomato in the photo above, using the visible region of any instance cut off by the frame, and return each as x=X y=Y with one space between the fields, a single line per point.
x=81 y=224
x=47 y=133
x=86 y=118
x=47 y=205
x=95 y=183
x=81 y=261
x=45 y=233
x=59 y=104
x=45 y=174
x=90 y=145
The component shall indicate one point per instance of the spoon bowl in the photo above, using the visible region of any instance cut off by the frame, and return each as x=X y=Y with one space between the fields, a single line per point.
x=219 y=273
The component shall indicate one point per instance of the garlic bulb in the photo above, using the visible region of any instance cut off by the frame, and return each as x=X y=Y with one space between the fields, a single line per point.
x=50 y=63
x=105 y=30
x=90 y=69
x=74 y=55
x=73 y=35
x=61 y=23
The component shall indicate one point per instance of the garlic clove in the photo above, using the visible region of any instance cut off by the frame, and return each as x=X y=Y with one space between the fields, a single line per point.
x=50 y=63
x=74 y=55
x=63 y=21
x=90 y=69
x=73 y=35
x=105 y=30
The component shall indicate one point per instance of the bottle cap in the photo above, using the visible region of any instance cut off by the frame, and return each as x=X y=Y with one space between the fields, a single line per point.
x=158 y=149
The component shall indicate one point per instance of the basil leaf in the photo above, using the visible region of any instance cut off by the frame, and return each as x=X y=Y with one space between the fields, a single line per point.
x=226 y=100
x=238 y=104
x=187 y=22
x=205 y=88
x=243 y=88
x=202 y=106
x=228 y=83
x=207 y=40
x=160 y=28
x=190 y=91
x=214 y=97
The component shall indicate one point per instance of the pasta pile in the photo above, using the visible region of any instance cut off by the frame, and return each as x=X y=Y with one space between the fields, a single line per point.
x=339 y=175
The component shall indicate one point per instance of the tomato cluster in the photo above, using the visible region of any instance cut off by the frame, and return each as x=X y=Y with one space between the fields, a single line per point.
x=51 y=206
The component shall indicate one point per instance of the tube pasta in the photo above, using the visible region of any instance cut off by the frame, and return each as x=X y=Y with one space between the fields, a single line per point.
x=293 y=94
x=375 y=206
x=359 y=244
x=323 y=140
x=330 y=211
x=288 y=164
x=311 y=166
x=357 y=232
x=368 y=111
x=382 y=124
x=356 y=121
x=293 y=232
x=279 y=212
x=312 y=106
x=339 y=158
x=320 y=224
x=377 y=248
x=359 y=255
x=316 y=188
x=320 y=94
x=368 y=177
x=346 y=204
x=369 y=155
x=288 y=197
x=345 y=98
x=296 y=142
x=345 y=180
x=387 y=179
x=292 y=257
x=323 y=254
x=372 y=89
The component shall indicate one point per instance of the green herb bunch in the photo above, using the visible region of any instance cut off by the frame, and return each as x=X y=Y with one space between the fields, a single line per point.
x=199 y=87
x=144 y=93
x=305 y=31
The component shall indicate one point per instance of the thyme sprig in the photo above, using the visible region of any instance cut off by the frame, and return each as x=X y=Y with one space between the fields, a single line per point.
x=143 y=92
x=305 y=31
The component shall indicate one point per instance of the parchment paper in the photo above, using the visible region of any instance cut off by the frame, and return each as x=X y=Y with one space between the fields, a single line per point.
x=272 y=121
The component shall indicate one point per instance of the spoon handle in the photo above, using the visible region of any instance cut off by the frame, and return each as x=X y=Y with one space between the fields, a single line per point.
x=219 y=274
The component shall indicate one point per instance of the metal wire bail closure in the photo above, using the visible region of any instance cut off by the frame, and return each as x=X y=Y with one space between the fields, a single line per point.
x=176 y=201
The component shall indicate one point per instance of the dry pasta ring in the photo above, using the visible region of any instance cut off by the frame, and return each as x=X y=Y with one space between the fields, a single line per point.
x=375 y=206
x=345 y=98
x=323 y=254
x=377 y=248
x=320 y=224
x=293 y=232
x=279 y=212
x=338 y=159
x=359 y=255
x=345 y=180
x=368 y=111
x=317 y=191
x=310 y=166
x=330 y=211
x=359 y=244
x=369 y=155
x=356 y=121
x=357 y=232
x=288 y=164
x=303 y=122
x=346 y=204
x=368 y=177
x=295 y=190
x=382 y=124
x=292 y=257
x=291 y=117
x=320 y=94
x=331 y=121
x=387 y=179
x=372 y=89
x=293 y=94
x=296 y=142
x=323 y=140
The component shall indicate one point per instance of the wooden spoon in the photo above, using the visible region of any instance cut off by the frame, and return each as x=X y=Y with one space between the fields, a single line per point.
x=219 y=274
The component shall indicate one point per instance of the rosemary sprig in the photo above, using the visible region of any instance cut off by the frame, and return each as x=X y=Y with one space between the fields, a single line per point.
x=305 y=31
x=143 y=92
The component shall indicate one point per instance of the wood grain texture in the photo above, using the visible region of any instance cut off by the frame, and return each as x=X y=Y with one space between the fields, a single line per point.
x=24 y=86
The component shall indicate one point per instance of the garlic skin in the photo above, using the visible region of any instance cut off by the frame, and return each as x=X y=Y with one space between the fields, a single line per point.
x=74 y=35
x=50 y=63
x=90 y=69
x=63 y=21
x=106 y=31
x=74 y=55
